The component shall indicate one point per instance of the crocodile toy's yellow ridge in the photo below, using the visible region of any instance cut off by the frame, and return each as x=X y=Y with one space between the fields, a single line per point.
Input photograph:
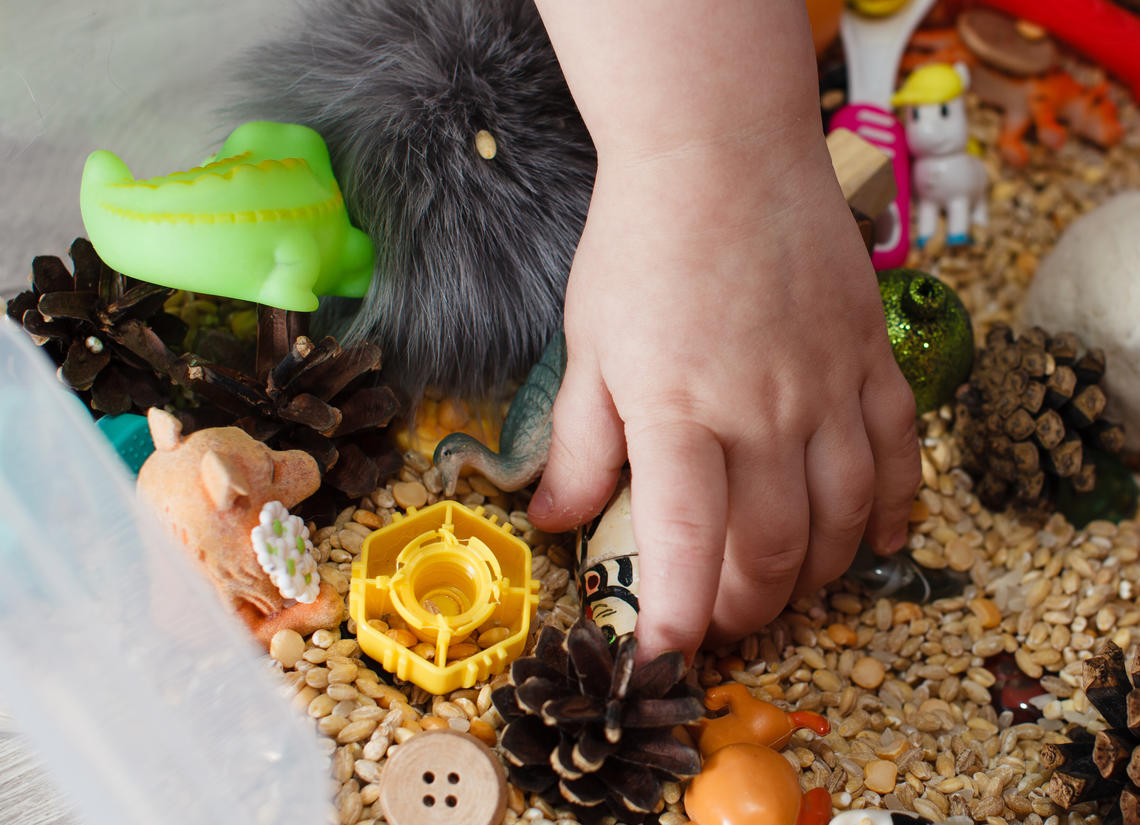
x=264 y=221
x=247 y=216
x=216 y=167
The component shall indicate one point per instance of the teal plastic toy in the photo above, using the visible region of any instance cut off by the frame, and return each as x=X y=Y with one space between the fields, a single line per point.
x=264 y=221
x=130 y=436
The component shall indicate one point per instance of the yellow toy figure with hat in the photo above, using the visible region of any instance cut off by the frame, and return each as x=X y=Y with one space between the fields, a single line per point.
x=947 y=176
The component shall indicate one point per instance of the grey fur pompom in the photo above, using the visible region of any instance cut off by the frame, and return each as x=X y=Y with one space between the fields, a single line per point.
x=472 y=253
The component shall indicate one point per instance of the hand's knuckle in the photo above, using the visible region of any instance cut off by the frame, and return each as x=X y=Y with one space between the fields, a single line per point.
x=679 y=536
x=847 y=518
x=664 y=421
x=899 y=407
x=771 y=567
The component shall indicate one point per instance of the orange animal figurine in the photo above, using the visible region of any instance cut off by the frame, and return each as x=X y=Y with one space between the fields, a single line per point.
x=744 y=780
x=1041 y=102
x=751 y=720
x=211 y=490
x=1019 y=76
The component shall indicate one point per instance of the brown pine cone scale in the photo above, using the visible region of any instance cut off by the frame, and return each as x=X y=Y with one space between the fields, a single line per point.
x=1104 y=765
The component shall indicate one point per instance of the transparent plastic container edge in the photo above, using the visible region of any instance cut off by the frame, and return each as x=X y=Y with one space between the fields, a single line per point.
x=147 y=701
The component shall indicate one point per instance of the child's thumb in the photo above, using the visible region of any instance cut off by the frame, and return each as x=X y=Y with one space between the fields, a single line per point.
x=587 y=452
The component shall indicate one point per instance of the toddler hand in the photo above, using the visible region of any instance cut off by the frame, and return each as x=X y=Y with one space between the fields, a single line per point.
x=725 y=334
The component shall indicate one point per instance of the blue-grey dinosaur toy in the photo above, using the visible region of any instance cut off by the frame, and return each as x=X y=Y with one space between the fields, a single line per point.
x=525 y=440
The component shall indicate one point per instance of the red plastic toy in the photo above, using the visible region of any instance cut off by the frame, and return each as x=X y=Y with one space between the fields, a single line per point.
x=1097 y=28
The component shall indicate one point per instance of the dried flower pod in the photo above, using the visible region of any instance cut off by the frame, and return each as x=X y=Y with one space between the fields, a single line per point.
x=1029 y=414
x=118 y=349
x=312 y=397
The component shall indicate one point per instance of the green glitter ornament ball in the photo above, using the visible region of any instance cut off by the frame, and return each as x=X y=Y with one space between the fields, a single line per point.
x=930 y=334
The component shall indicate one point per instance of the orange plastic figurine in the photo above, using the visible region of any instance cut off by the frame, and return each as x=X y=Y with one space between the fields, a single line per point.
x=745 y=781
x=1022 y=80
x=1041 y=102
x=751 y=720
x=209 y=490
x=753 y=785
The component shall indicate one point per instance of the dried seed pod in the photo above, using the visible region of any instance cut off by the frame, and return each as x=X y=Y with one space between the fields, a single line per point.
x=1028 y=414
x=118 y=349
x=309 y=396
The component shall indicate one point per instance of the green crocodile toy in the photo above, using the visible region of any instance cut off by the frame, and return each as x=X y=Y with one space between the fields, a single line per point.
x=264 y=221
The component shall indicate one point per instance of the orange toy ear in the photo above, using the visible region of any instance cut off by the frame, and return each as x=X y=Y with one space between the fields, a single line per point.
x=165 y=429
x=224 y=482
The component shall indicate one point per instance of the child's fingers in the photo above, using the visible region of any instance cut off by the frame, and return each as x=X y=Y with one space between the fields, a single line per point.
x=679 y=502
x=767 y=537
x=587 y=451
x=888 y=414
x=841 y=487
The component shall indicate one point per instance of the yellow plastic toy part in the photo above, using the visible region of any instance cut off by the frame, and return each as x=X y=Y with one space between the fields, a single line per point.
x=935 y=83
x=450 y=574
x=877 y=8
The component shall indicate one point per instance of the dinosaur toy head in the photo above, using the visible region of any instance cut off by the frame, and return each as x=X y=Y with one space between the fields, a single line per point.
x=452 y=454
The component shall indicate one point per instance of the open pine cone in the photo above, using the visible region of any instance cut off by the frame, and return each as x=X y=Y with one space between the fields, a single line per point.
x=112 y=342
x=312 y=399
x=1104 y=765
x=581 y=717
x=1031 y=407
x=106 y=332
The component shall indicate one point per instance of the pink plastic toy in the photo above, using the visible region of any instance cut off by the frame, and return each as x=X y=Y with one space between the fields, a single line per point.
x=874 y=47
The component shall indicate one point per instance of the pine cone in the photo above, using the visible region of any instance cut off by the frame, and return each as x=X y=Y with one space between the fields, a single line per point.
x=106 y=332
x=112 y=342
x=311 y=399
x=1105 y=764
x=582 y=717
x=1028 y=414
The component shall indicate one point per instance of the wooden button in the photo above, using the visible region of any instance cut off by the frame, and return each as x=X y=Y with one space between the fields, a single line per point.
x=444 y=777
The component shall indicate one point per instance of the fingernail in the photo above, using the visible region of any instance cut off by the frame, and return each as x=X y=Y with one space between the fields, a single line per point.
x=541 y=504
x=895 y=542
